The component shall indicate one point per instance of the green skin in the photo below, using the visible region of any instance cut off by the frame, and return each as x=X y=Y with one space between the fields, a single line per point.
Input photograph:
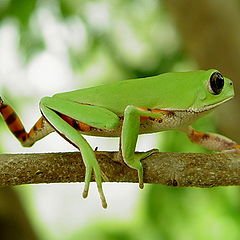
x=185 y=94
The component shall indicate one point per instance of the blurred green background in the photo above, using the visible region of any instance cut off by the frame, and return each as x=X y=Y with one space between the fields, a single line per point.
x=60 y=45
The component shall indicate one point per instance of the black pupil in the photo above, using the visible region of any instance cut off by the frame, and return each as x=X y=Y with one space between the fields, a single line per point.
x=216 y=83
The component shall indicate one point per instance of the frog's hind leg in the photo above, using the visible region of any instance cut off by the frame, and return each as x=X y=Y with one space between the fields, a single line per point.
x=70 y=119
x=212 y=141
x=40 y=129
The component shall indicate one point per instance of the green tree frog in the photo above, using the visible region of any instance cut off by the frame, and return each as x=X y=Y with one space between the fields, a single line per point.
x=126 y=109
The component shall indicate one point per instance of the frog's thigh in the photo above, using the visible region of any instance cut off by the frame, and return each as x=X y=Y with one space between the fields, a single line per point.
x=91 y=115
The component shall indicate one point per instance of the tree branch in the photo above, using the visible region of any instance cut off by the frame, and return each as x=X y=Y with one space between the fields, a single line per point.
x=172 y=169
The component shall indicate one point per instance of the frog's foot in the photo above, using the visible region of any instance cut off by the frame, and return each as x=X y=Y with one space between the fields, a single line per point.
x=97 y=174
x=235 y=149
x=136 y=164
x=150 y=152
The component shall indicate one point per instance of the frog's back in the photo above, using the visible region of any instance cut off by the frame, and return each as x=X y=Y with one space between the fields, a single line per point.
x=159 y=91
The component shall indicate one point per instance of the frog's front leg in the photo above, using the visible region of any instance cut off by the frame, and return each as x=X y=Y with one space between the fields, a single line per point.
x=52 y=108
x=130 y=130
x=212 y=141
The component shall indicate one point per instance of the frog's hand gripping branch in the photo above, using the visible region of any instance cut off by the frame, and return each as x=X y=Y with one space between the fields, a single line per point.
x=130 y=130
x=40 y=129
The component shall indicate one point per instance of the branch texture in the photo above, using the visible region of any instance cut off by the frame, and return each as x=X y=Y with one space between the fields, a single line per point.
x=172 y=169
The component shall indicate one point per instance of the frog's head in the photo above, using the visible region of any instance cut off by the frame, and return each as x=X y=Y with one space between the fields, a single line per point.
x=214 y=90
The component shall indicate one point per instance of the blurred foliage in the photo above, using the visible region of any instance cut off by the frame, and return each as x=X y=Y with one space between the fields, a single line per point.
x=175 y=213
x=138 y=20
x=192 y=213
x=21 y=12
x=134 y=38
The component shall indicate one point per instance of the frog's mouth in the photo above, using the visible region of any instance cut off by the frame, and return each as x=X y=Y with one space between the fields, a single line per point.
x=201 y=110
x=208 y=107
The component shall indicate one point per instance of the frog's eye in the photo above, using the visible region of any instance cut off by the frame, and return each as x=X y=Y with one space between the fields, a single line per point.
x=216 y=83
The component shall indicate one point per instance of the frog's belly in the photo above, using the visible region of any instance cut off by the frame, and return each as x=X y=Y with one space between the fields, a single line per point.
x=175 y=120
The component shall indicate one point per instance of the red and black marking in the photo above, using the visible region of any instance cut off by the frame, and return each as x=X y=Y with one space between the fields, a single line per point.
x=80 y=126
x=13 y=122
x=214 y=141
x=165 y=112
x=196 y=136
x=15 y=125
x=72 y=122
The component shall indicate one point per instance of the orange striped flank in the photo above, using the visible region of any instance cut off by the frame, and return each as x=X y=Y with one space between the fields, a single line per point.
x=153 y=111
x=83 y=127
x=75 y=124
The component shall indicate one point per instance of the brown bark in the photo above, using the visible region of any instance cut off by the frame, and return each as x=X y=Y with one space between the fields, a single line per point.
x=172 y=169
